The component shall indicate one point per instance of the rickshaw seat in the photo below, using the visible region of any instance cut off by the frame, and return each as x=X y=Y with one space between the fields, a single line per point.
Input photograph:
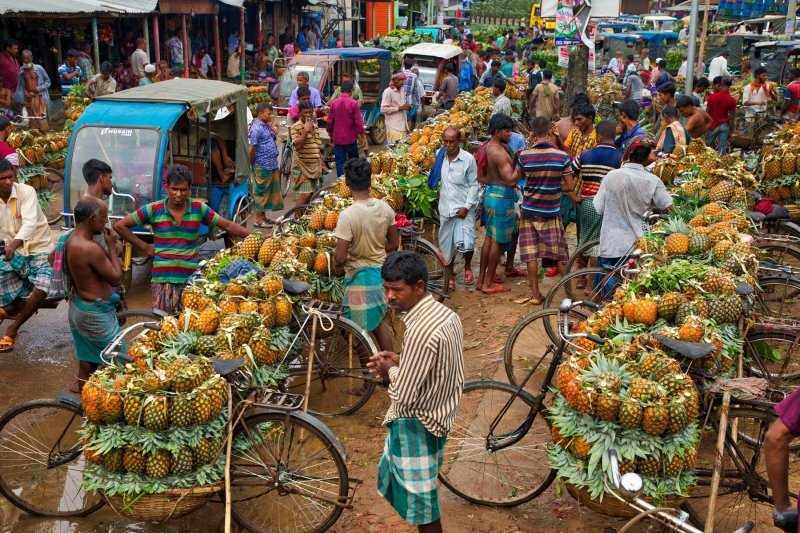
x=197 y=165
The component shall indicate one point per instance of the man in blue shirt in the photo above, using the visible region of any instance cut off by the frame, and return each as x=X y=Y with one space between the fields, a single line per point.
x=69 y=73
x=465 y=72
x=302 y=81
x=627 y=123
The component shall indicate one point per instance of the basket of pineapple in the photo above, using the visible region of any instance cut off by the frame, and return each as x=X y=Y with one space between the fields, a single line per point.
x=153 y=435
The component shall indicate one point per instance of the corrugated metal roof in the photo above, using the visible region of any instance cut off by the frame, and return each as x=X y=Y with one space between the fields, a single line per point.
x=77 y=6
x=234 y=3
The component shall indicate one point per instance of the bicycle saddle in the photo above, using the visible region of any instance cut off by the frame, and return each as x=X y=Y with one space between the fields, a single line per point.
x=227 y=366
x=744 y=288
x=295 y=288
x=689 y=350
x=756 y=216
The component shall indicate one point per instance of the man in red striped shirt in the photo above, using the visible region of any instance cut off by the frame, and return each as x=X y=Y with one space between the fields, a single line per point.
x=176 y=223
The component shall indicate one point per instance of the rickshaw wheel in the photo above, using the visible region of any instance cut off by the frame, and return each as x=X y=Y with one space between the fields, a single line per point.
x=55 y=186
x=377 y=133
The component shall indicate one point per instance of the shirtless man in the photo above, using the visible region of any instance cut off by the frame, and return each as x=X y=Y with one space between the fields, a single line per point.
x=92 y=273
x=501 y=219
x=697 y=120
x=35 y=91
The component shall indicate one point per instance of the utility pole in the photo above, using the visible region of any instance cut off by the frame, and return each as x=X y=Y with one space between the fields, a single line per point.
x=691 y=52
x=791 y=19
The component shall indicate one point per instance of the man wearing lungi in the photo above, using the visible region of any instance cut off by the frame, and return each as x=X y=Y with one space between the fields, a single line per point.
x=365 y=232
x=92 y=272
x=547 y=172
x=458 y=197
x=426 y=381
x=25 y=271
x=176 y=223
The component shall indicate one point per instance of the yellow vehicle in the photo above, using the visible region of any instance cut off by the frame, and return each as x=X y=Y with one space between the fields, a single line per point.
x=537 y=20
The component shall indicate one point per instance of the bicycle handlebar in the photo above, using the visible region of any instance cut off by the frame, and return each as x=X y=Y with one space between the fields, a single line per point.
x=106 y=354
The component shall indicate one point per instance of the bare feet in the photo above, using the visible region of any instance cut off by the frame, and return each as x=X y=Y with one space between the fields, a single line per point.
x=495 y=289
x=536 y=300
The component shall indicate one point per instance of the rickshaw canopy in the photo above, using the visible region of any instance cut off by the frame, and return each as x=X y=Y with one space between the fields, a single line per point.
x=356 y=53
x=203 y=97
x=444 y=51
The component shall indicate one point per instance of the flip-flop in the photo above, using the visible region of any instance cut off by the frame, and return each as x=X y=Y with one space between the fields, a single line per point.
x=262 y=225
x=469 y=277
x=496 y=290
x=517 y=274
x=498 y=279
x=551 y=272
x=452 y=285
x=581 y=283
x=7 y=343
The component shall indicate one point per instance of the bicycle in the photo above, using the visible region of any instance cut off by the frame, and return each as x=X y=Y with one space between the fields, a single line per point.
x=488 y=435
x=287 y=471
x=285 y=167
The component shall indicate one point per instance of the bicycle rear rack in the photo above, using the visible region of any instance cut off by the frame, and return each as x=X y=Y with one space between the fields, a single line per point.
x=327 y=308
x=283 y=401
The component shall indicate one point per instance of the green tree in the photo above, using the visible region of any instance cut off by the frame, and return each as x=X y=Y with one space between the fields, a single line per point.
x=502 y=8
x=577 y=74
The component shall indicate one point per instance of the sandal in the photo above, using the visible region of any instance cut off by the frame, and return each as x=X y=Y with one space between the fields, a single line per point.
x=469 y=277
x=7 y=343
x=517 y=273
x=551 y=272
x=452 y=285
x=498 y=279
x=496 y=290
x=581 y=283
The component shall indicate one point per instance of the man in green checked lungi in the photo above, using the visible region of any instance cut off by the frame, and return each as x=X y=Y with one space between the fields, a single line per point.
x=425 y=384
x=91 y=274
x=365 y=232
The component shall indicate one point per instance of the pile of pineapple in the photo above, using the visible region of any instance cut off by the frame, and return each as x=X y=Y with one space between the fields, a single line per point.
x=36 y=148
x=605 y=89
x=516 y=87
x=632 y=393
x=470 y=114
x=155 y=424
x=781 y=166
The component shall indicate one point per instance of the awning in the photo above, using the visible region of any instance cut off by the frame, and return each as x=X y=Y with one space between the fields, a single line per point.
x=687 y=6
x=234 y=3
x=77 y=6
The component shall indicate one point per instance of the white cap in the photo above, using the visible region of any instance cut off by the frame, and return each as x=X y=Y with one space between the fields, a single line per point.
x=149 y=69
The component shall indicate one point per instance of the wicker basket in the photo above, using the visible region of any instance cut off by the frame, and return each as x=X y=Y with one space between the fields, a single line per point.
x=174 y=503
x=794 y=212
x=611 y=506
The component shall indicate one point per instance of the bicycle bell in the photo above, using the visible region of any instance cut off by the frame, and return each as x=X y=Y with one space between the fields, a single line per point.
x=630 y=486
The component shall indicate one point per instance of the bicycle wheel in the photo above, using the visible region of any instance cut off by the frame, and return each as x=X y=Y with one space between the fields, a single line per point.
x=438 y=275
x=567 y=287
x=285 y=474
x=135 y=316
x=743 y=485
x=780 y=256
x=577 y=261
x=503 y=478
x=41 y=464
x=772 y=349
x=429 y=227
x=528 y=343
x=340 y=380
x=779 y=296
x=782 y=227
x=55 y=189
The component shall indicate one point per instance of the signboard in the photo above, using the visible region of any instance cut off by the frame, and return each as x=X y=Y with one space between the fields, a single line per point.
x=563 y=56
x=600 y=8
x=572 y=19
x=592 y=34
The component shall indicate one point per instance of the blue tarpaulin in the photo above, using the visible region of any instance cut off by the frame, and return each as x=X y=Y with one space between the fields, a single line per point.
x=354 y=53
x=652 y=37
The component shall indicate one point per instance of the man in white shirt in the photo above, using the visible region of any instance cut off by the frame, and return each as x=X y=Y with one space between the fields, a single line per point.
x=458 y=198
x=25 y=271
x=719 y=66
x=139 y=58
x=684 y=67
x=394 y=107
x=615 y=64
x=502 y=104
x=175 y=47
x=756 y=94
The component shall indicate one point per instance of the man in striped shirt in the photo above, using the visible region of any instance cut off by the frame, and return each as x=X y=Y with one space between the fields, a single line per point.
x=176 y=223
x=426 y=381
x=592 y=166
x=547 y=171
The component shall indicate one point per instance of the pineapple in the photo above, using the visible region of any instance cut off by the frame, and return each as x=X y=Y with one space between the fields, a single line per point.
x=557 y=437
x=193 y=298
x=262 y=353
x=216 y=399
x=655 y=419
x=630 y=414
x=331 y=219
x=645 y=311
x=208 y=320
x=580 y=448
x=267 y=312
x=113 y=460
x=668 y=305
x=566 y=373
x=607 y=406
x=180 y=411
x=692 y=329
x=697 y=221
x=649 y=466
x=283 y=311
x=236 y=287
x=648 y=363
x=206 y=451
x=268 y=249
x=717 y=282
x=675 y=383
x=689 y=458
x=272 y=286
x=158 y=464
x=111 y=410
x=699 y=243
x=132 y=408
x=201 y=412
x=695 y=146
x=248 y=306
x=133 y=460
x=788 y=161
x=638 y=388
x=678 y=414
x=181 y=463
x=154 y=416
x=229 y=306
x=725 y=309
x=722 y=192
x=205 y=346
x=251 y=245
x=307 y=256
x=674 y=465
x=322 y=263
x=92 y=397
x=677 y=244
x=169 y=327
x=317 y=220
